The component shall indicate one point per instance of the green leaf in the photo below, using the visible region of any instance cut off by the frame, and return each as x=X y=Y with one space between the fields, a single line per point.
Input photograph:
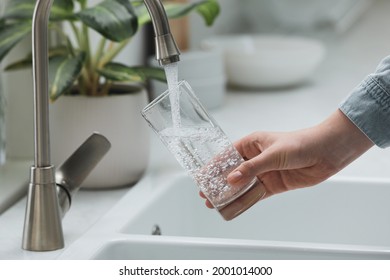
x=19 y=9
x=63 y=72
x=208 y=9
x=24 y=9
x=114 y=19
x=20 y=64
x=66 y=5
x=62 y=9
x=10 y=35
x=2 y=23
x=82 y=2
x=26 y=62
x=119 y=72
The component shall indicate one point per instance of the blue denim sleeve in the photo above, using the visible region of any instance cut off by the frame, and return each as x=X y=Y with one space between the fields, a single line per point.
x=368 y=105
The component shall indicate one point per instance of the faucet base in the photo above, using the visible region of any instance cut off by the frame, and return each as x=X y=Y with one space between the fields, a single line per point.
x=42 y=226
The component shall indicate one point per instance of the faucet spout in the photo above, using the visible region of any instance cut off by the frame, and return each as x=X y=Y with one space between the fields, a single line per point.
x=166 y=49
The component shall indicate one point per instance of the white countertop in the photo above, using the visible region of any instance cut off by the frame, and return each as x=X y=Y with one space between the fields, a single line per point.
x=14 y=179
x=349 y=60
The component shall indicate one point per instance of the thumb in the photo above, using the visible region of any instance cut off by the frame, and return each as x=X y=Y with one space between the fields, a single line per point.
x=251 y=168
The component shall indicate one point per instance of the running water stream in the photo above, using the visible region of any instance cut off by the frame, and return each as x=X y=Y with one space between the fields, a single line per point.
x=171 y=72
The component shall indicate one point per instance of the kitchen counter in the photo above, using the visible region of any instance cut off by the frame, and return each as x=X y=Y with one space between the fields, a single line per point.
x=349 y=59
x=14 y=179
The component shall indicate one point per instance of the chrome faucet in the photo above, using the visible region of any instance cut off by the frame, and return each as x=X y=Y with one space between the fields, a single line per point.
x=50 y=191
x=166 y=49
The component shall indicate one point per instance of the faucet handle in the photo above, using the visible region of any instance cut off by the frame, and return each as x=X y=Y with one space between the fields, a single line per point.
x=71 y=174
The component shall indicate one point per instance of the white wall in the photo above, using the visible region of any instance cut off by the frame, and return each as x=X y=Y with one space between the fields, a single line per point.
x=18 y=87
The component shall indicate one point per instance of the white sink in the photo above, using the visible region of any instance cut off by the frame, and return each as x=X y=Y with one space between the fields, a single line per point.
x=339 y=219
x=176 y=248
x=339 y=212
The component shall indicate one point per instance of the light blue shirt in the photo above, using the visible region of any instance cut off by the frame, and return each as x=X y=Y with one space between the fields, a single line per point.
x=368 y=105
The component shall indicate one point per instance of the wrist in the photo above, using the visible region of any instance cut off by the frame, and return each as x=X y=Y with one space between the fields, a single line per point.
x=343 y=140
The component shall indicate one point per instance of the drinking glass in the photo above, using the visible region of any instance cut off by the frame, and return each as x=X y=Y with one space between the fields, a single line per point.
x=202 y=149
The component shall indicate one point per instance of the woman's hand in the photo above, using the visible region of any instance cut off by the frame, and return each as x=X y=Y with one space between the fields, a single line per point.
x=291 y=160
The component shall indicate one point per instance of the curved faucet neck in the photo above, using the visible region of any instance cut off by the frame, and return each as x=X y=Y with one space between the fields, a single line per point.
x=166 y=49
x=41 y=84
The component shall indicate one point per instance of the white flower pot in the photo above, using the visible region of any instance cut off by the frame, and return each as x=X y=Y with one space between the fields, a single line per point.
x=74 y=118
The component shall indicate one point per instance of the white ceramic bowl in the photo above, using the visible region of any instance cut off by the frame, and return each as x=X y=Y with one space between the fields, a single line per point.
x=267 y=61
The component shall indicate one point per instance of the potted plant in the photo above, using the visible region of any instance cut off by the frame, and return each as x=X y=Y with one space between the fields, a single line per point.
x=95 y=91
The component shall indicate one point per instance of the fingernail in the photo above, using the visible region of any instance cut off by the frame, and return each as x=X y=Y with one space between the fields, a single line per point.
x=235 y=176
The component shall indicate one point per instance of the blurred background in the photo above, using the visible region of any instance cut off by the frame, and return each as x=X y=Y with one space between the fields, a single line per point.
x=324 y=19
x=333 y=22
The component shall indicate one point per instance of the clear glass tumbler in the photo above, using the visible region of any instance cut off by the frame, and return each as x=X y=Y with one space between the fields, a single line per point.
x=201 y=148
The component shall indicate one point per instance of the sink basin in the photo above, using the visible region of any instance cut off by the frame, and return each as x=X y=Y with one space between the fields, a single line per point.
x=338 y=219
x=176 y=248
x=341 y=212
